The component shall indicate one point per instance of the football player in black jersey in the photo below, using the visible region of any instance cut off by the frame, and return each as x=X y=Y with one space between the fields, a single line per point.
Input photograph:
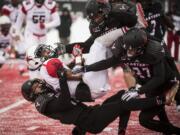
x=61 y=106
x=158 y=21
x=148 y=60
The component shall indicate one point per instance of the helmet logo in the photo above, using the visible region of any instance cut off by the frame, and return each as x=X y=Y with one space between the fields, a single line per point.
x=29 y=83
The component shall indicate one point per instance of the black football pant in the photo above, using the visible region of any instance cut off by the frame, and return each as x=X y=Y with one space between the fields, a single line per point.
x=101 y=116
x=162 y=125
x=123 y=118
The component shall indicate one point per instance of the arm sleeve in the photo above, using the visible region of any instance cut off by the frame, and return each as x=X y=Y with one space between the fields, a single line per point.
x=65 y=94
x=102 y=65
x=56 y=105
x=156 y=81
x=85 y=45
x=55 y=21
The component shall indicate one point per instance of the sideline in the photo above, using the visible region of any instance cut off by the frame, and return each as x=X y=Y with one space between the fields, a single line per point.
x=14 y=105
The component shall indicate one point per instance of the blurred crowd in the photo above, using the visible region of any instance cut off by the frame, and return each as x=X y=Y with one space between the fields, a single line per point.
x=17 y=22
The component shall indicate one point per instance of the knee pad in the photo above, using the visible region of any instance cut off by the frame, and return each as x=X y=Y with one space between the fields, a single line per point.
x=83 y=93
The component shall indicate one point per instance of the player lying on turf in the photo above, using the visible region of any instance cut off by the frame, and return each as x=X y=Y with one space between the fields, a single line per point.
x=61 y=106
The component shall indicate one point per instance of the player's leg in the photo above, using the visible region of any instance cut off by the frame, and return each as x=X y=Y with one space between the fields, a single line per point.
x=147 y=120
x=2 y=58
x=97 y=81
x=21 y=51
x=169 y=40
x=176 y=45
x=102 y=115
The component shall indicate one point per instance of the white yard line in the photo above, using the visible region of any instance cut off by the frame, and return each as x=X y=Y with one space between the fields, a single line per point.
x=14 y=105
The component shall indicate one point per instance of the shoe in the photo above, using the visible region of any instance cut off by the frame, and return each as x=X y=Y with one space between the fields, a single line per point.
x=77 y=131
x=121 y=131
x=170 y=95
x=142 y=23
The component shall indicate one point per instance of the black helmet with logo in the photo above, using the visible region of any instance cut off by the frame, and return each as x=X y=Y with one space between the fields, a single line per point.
x=93 y=8
x=26 y=90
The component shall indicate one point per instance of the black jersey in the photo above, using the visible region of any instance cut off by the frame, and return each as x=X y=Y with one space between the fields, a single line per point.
x=117 y=18
x=153 y=15
x=114 y=20
x=151 y=68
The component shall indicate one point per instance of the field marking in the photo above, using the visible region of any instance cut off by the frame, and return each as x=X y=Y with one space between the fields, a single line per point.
x=14 y=105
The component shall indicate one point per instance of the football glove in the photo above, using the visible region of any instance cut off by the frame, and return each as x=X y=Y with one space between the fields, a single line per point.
x=129 y=95
x=77 y=50
x=79 y=69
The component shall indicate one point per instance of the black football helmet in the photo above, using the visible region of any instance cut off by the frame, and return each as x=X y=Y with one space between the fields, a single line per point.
x=135 y=39
x=26 y=90
x=95 y=9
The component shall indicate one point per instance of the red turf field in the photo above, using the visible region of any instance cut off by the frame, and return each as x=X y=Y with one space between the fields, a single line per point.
x=18 y=117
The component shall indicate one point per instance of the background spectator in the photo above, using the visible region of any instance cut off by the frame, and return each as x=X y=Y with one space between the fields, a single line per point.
x=173 y=35
x=64 y=28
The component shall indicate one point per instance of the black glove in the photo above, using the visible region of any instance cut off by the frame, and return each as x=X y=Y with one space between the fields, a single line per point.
x=130 y=94
x=61 y=73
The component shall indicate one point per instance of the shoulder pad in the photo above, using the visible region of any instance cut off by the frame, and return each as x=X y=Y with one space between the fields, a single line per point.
x=8 y=7
x=28 y=4
x=155 y=49
x=50 y=4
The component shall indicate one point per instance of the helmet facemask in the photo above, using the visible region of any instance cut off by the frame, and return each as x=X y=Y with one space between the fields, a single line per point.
x=44 y=52
x=134 y=42
x=133 y=51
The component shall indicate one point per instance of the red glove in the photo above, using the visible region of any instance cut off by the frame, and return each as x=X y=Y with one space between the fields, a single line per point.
x=41 y=25
x=77 y=50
